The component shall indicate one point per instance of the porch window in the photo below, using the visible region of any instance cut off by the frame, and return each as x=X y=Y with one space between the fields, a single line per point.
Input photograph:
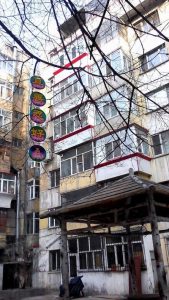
x=7 y=183
x=113 y=149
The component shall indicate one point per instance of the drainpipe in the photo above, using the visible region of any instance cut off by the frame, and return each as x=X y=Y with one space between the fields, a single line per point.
x=17 y=208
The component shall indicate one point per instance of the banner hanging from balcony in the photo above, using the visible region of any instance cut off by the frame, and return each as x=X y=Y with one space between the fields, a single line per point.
x=37 y=82
x=37 y=153
x=38 y=116
x=38 y=99
x=37 y=134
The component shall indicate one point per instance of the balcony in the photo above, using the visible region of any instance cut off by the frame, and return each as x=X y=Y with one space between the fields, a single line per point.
x=50 y=198
x=117 y=167
x=73 y=139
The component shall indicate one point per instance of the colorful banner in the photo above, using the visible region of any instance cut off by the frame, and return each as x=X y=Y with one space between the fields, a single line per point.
x=38 y=99
x=37 y=153
x=37 y=134
x=38 y=116
x=37 y=82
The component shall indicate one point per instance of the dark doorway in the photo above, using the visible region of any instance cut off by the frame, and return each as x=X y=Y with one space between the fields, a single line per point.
x=73 y=266
x=9 y=277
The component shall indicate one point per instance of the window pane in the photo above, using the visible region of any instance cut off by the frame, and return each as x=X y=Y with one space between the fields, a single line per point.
x=84 y=148
x=117 y=149
x=90 y=260
x=74 y=165
x=36 y=225
x=110 y=256
x=5 y=185
x=95 y=243
x=63 y=127
x=82 y=259
x=73 y=246
x=88 y=160
x=119 y=255
x=109 y=151
x=83 y=244
x=66 y=168
x=10 y=187
x=70 y=125
x=165 y=141
x=156 y=144
x=98 y=260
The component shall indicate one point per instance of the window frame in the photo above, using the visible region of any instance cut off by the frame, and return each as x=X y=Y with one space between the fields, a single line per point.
x=53 y=222
x=161 y=145
x=143 y=27
x=61 y=125
x=6 y=181
x=33 y=188
x=55 y=178
x=146 y=64
x=54 y=254
x=33 y=218
x=74 y=161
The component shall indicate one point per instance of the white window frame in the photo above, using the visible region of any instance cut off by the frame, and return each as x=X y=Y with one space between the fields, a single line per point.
x=17 y=142
x=68 y=87
x=56 y=178
x=6 y=119
x=161 y=145
x=5 y=88
x=5 y=180
x=78 y=118
x=6 y=64
x=152 y=106
x=53 y=222
x=34 y=164
x=147 y=64
x=80 y=167
x=32 y=188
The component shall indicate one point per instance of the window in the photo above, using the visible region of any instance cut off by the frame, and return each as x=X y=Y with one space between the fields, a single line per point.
x=61 y=58
x=33 y=189
x=70 y=121
x=34 y=164
x=117 y=251
x=142 y=142
x=77 y=160
x=53 y=222
x=73 y=52
x=32 y=223
x=7 y=183
x=6 y=64
x=18 y=90
x=18 y=115
x=68 y=87
x=159 y=97
x=144 y=27
x=154 y=58
x=90 y=252
x=16 y=142
x=107 y=32
x=118 y=61
x=5 y=90
x=161 y=143
x=106 y=104
x=55 y=178
x=113 y=149
x=5 y=119
x=54 y=260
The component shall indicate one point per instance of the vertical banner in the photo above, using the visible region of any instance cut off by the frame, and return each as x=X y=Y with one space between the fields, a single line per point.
x=38 y=116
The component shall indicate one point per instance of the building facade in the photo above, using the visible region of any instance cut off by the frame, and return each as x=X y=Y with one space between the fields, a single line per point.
x=99 y=128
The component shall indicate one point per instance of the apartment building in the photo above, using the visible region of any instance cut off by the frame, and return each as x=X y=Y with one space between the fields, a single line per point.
x=98 y=134
x=13 y=146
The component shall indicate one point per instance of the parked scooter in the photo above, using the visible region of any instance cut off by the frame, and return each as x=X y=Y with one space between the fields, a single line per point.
x=75 y=288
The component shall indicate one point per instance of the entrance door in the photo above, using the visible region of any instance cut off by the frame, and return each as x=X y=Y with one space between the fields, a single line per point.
x=73 y=266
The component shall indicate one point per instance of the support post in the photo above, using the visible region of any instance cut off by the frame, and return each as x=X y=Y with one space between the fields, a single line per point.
x=132 y=273
x=64 y=260
x=161 y=274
